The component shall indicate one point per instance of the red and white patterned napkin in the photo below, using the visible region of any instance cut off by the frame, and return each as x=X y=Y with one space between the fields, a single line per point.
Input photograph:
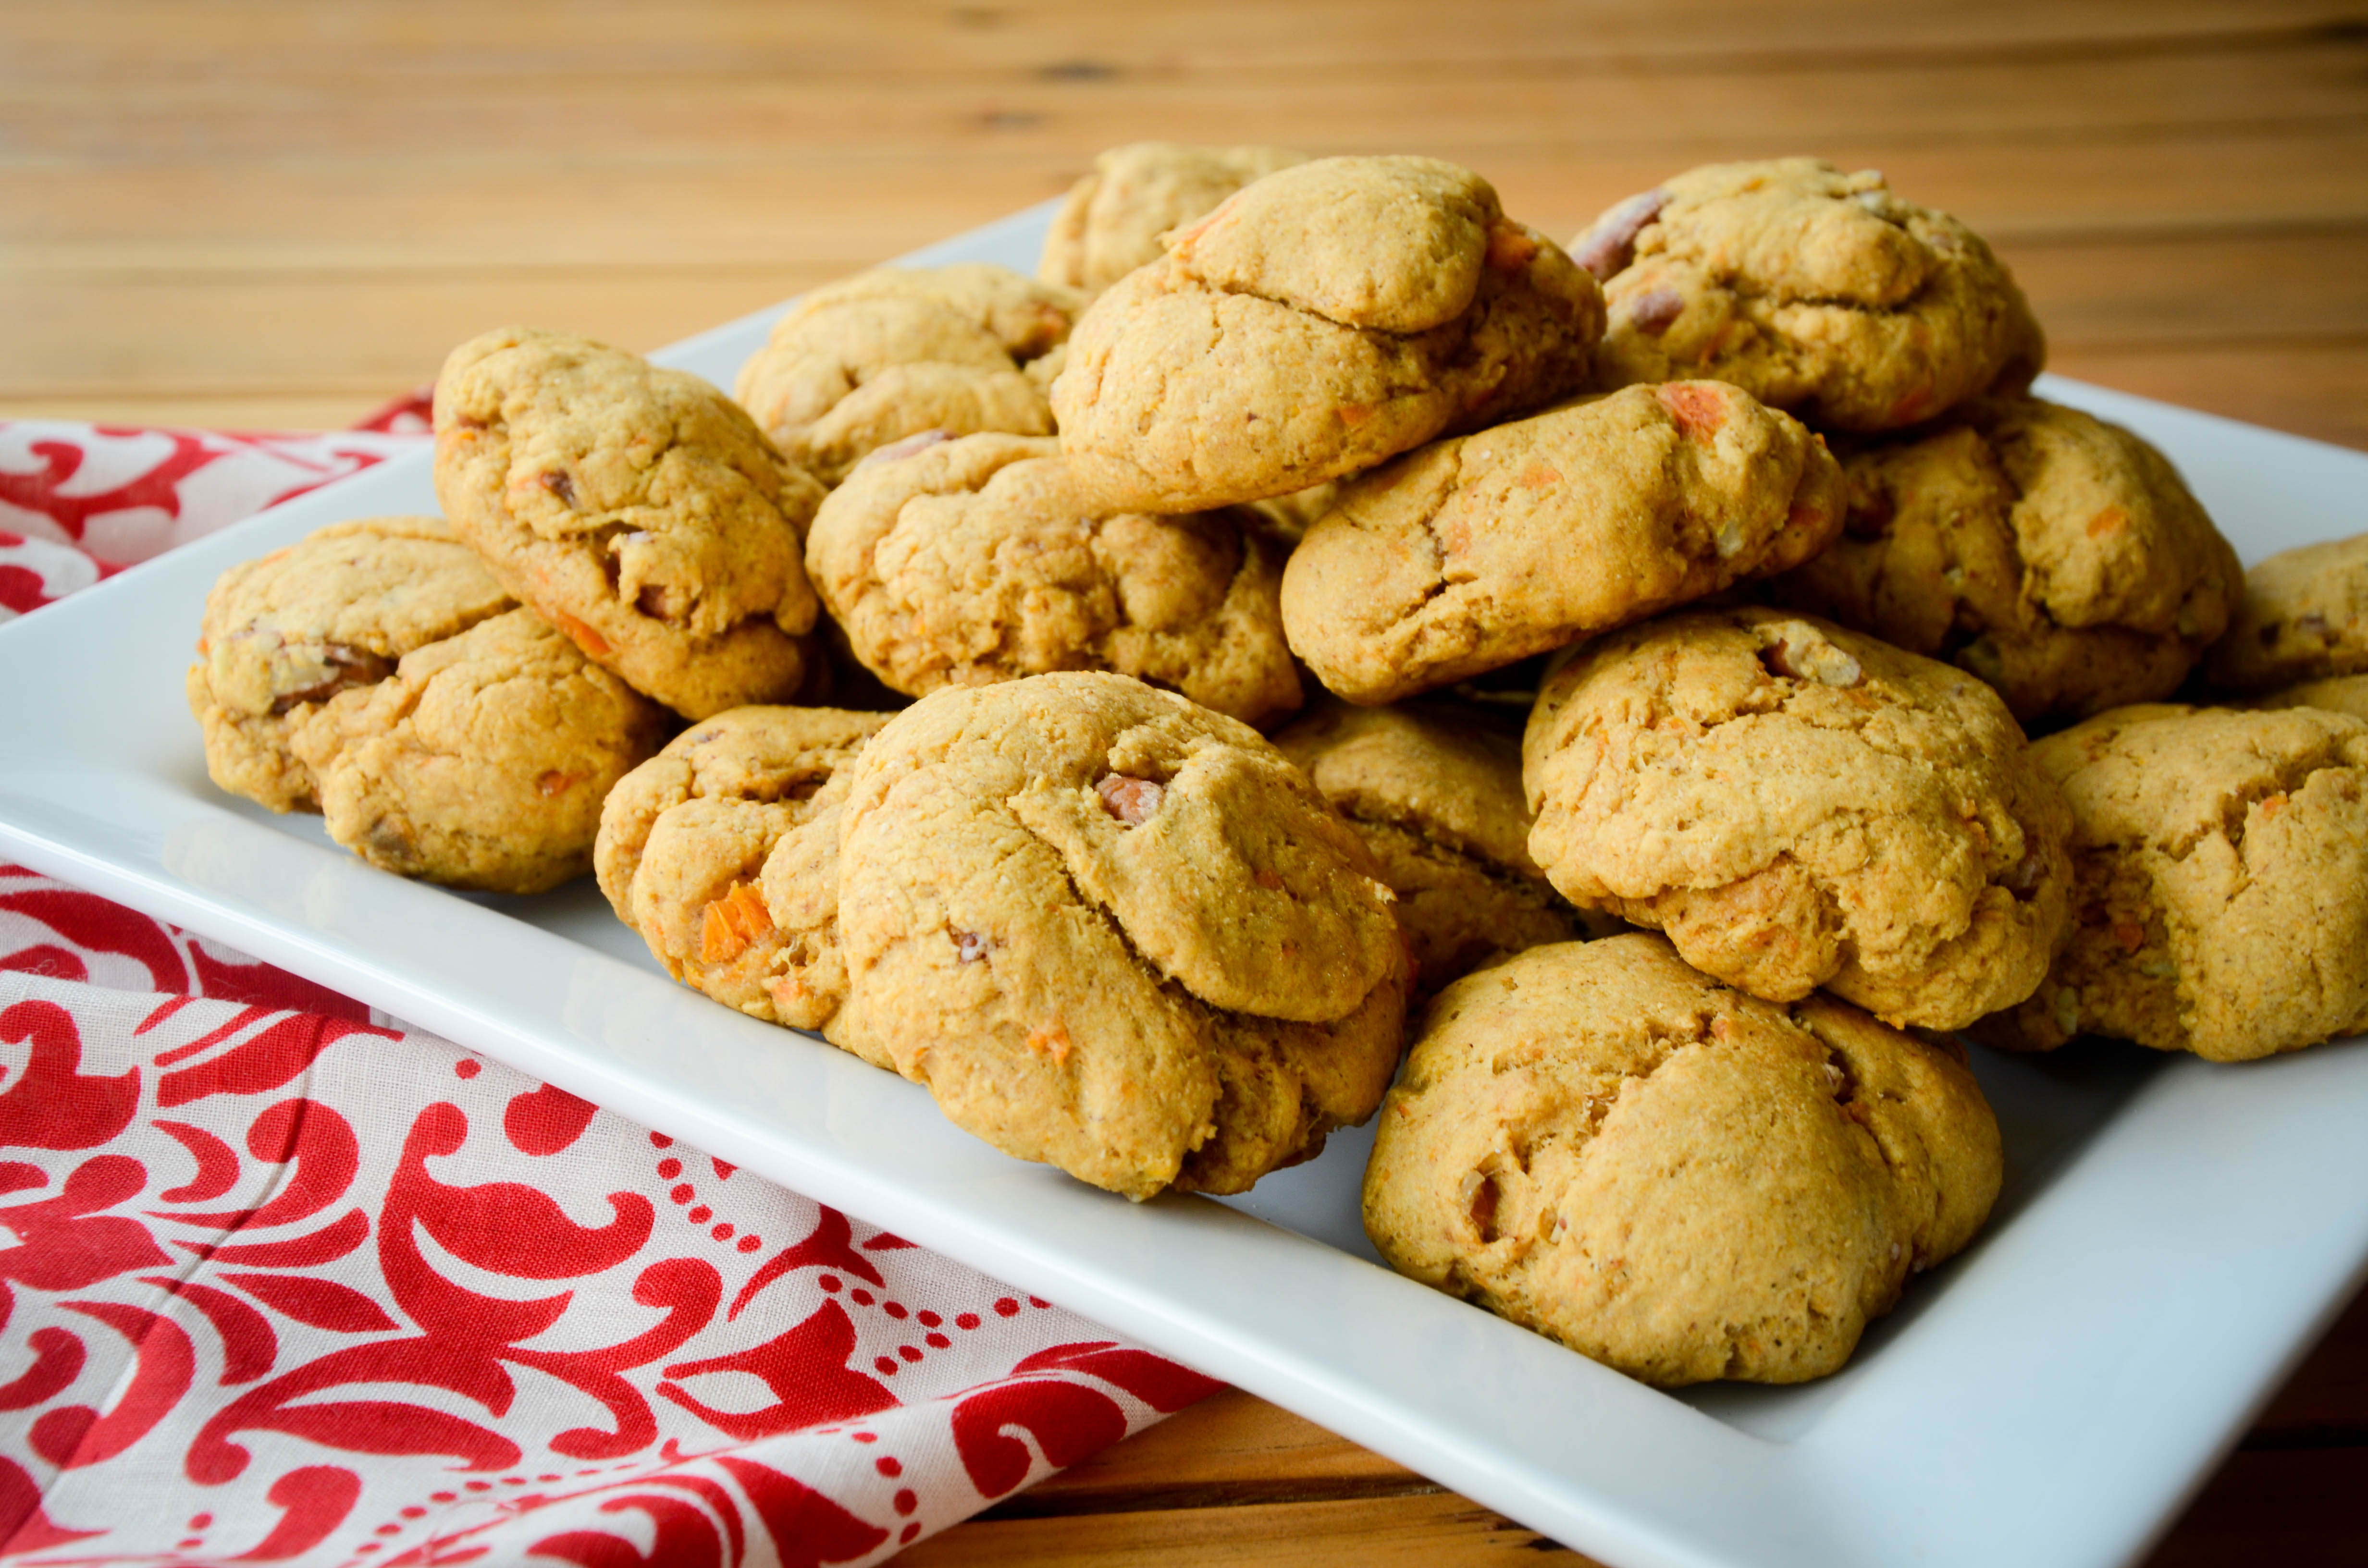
x=293 y=1285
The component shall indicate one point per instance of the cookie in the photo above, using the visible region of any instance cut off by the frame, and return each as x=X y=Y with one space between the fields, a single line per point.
x=1670 y=1178
x=336 y=610
x=1287 y=518
x=2304 y=618
x=2059 y=558
x=873 y=358
x=1114 y=932
x=1112 y=221
x=972 y=561
x=722 y=852
x=2221 y=883
x=1436 y=795
x=2340 y=694
x=1318 y=322
x=1797 y=805
x=1818 y=292
x=481 y=761
x=1474 y=552
x=637 y=509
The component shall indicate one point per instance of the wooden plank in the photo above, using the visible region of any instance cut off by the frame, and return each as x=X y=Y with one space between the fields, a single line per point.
x=2326 y=1401
x=1431 y=1529
x=2285 y=1508
x=676 y=118
x=2315 y=390
x=2306 y=287
x=1231 y=1448
x=244 y=335
x=243 y=41
x=84 y=220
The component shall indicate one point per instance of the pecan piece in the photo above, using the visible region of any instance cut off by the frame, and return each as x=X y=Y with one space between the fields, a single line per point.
x=1610 y=245
x=1655 y=309
x=1132 y=800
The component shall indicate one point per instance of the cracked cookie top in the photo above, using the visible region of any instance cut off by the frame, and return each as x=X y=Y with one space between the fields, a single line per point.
x=1819 y=292
x=972 y=561
x=336 y=610
x=883 y=355
x=1112 y=219
x=481 y=760
x=2304 y=616
x=1671 y=1177
x=638 y=509
x=722 y=852
x=1115 y=932
x=1476 y=551
x=2221 y=892
x=2059 y=558
x=1315 y=323
x=1436 y=795
x=1798 y=805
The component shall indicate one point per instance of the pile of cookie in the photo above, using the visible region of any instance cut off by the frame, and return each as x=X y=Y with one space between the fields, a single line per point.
x=1675 y=605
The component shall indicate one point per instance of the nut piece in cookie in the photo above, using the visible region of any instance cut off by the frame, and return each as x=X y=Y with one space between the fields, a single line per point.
x=1114 y=932
x=2059 y=558
x=1474 y=552
x=975 y=560
x=2220 y=862
x=883 y=355
x=1817 y=291
x=722 y=852
x=638 y=509
x=1797 y=805
x=2304 y=618
x=1112 y=219
x=1318 y=322
x=1673 y=1179
x=1436 y=795
x=336 y=610
x=481 y=761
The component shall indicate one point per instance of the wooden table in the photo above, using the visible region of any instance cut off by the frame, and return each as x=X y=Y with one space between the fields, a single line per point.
x=274 y=215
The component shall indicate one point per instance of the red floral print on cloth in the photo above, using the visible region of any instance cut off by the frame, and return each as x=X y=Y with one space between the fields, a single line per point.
x=353 y=1295
x=122 y=495
x=281 y=1281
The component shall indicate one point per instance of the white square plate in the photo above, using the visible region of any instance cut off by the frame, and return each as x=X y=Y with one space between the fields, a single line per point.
x=2172 y=1236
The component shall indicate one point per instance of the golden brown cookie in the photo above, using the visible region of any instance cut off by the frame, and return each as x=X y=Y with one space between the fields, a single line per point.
x=1471 y=553
x=722 y=852
x=2221 y=883
x=1317 y=322
x=1114 y=932
x=2304 y=618
x=1112 y=219
x=1819 y=292
x=637 y=509
x=883 y=355
x=1436 y=795
x=972 y=561
x=1674 y=1179
x=1287 y=518
x=334 y=611
x=2342 y=694
x=1797 y=805
x=2059 y=558
x=481 y=761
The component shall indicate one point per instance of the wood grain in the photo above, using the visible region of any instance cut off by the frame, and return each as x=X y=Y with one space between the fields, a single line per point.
x=256 y=215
